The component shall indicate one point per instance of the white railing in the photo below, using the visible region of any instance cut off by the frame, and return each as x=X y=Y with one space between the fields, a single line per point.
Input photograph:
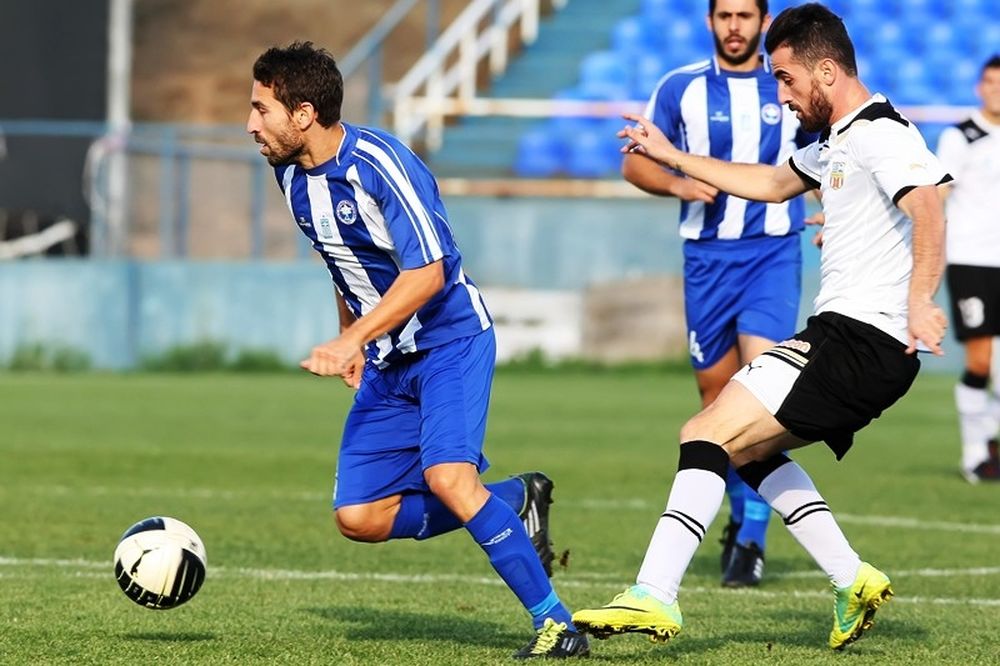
x=447 y=72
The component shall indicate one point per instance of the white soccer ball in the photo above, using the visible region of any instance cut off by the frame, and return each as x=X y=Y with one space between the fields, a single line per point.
x=160 y=562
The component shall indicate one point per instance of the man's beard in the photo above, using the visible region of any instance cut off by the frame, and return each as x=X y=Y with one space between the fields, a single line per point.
x=820 y=111
x=739 y=59
x=285 y=148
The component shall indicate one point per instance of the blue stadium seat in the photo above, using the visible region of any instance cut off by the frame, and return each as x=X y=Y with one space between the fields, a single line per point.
x=940 y=37
x=649 y=69
x=591 y=154
x=540 y=153
x=632 y=35
x=936 y=8
x=604 y=67
x=961 y=8
x=988 y=39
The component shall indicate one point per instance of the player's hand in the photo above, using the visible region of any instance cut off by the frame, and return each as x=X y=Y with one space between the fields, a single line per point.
x=339 y=357
x=646 y=138
x=692 y=189
x=817 y=219
x=927 y=324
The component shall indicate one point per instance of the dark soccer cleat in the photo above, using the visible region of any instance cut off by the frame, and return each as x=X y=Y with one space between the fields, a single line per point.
x=555 y=640
x=988 y=471
x=746 y=566
x=727 y=542
x=535 y=515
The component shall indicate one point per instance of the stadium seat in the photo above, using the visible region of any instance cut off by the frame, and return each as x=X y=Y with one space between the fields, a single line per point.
x=960 y=8
x=649 y=69
x=632 y=35
x=592 y=154
x=602 y=68
x=539 y=154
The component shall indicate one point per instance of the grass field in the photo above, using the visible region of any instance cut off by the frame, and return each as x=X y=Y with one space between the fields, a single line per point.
x=248 y=461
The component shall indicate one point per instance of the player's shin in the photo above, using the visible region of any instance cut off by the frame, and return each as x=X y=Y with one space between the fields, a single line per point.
x=789 y=490
x=695 y=498
x=423 y=515
x=500 y=533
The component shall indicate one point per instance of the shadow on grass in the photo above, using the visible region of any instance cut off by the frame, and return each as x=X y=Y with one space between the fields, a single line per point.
x=395 y=625
x=798 y=634
x=170 y=636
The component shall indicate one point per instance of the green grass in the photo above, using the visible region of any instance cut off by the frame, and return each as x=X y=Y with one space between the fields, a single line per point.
x=248 y=461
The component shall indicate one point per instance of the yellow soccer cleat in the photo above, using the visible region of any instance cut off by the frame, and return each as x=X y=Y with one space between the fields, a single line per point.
x=854 y=606
x=632 y=611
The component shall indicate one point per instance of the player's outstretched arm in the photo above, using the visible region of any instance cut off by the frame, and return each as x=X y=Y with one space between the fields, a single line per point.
x=927 y=323
x=760 y=182
x=410 y=291
x=650 y=176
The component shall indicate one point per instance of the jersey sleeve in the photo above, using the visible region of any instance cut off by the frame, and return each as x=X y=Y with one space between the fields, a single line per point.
x=663 y=109
x=952 y=149
x=805 y=163
x=897 y=157
x=407 y=203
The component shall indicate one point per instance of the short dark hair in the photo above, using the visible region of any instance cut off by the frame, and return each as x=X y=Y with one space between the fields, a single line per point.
x=813 y=33
x=302 y=73
x=992 y=63
x=761 y=5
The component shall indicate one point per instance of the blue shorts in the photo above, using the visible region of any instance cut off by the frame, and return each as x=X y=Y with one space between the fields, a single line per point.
x=427 y=410
x=734 y=287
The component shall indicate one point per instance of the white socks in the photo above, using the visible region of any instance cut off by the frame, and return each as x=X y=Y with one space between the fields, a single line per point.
x=978 y=421
x=790 y=492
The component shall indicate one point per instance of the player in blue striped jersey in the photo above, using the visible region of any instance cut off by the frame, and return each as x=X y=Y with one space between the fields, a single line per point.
x=411 y=451
x=742 y=259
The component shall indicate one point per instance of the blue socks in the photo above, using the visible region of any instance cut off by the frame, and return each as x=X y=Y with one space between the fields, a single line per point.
x=748 y=509
x=499 y=532
x=422 y=515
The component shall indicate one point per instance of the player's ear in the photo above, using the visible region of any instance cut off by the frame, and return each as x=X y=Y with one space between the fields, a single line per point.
x=827 y=71
x=765 y=23
x=304 y=115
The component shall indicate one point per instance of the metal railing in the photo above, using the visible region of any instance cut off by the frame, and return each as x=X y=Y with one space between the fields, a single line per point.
x=449 y=70
x=371 y=49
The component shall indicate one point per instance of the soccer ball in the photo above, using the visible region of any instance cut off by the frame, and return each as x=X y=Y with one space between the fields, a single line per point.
x=160 y=563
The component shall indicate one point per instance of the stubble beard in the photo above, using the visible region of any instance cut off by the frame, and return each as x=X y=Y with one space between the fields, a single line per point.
x=820 y=111
x=740 y=58
x=285 y=148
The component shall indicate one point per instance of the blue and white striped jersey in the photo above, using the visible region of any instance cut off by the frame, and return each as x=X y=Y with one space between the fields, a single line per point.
x=733 y=116
x=372 y=211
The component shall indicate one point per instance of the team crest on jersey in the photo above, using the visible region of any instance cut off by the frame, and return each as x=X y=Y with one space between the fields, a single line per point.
x=770 y=113
x=346 y=212
x=324 y=229
x=837 y=175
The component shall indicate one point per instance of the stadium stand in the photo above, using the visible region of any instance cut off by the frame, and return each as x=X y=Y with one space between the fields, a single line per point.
x=917 y=52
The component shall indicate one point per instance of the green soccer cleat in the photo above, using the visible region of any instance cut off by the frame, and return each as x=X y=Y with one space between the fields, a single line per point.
x=854 y=606
x=632 y=611
x=555 y=640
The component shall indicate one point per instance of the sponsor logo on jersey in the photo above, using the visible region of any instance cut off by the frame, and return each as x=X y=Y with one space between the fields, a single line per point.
x=325 y=228
x=303 y=222
x=770 y=113
x=837 y=175
x=719 y=117
x=346 y=212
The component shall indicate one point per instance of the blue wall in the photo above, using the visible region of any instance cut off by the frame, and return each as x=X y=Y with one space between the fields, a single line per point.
x=118 y=311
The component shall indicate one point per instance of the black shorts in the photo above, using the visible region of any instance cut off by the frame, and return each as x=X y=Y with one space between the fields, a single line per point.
x=974 y=292
x=831 y=379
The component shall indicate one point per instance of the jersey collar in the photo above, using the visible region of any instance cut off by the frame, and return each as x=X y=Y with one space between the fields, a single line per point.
x=341 y=160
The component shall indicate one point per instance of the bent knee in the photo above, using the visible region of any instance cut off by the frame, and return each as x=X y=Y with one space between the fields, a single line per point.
x=360 y=523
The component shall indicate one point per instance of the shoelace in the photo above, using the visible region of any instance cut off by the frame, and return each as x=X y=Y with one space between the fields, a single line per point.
x=548 y=636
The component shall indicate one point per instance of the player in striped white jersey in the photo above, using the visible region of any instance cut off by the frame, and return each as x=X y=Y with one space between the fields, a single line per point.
x=742 y=259
x=971 y=152
x=882 y=258
x=411 y=452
